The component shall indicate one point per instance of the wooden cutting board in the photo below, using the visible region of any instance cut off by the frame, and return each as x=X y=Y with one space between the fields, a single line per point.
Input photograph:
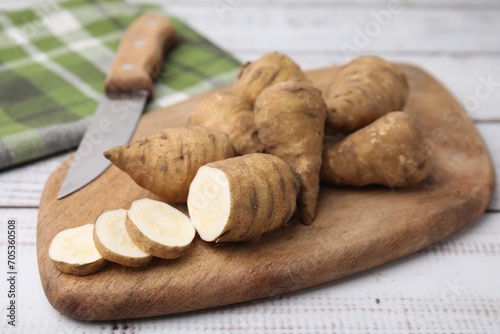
x=355 y=229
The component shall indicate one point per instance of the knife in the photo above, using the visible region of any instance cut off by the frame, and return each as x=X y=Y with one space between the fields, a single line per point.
x=128 y=86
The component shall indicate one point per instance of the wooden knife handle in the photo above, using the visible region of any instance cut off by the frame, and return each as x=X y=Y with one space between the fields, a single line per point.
x=140 y=54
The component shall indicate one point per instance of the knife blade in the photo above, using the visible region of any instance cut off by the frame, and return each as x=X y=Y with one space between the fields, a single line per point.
x=128 y=86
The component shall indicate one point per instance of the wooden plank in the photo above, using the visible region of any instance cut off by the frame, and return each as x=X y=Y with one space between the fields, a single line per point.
x=351 y=3
x=328 y=27
x=22 y=186
x=413 y=27
x=461 y=4
x=25 y=226
x=491 y=135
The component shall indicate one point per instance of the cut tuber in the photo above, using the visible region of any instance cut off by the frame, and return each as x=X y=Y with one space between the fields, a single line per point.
x=159 y=229
x=241 y=198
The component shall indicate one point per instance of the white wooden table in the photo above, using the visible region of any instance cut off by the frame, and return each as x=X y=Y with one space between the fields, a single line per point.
x=451 y=287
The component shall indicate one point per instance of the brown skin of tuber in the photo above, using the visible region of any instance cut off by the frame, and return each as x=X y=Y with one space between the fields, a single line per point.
x=391 y=151
x=272 y=68
x=290 y=119
x=231 y=114
x=263 y=195
x=166 y=163
x=362 y=91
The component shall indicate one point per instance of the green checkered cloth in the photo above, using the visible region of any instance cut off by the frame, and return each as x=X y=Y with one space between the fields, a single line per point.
x=53 y=61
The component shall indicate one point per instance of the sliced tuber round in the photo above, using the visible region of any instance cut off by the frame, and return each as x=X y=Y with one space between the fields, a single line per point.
x=159 y=229
x=113 y=242
x=73 y=251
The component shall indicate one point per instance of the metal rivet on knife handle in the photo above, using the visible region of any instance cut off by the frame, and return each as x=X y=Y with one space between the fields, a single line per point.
x=140 y=54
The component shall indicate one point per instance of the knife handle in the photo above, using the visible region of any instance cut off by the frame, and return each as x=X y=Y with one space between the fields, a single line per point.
x=140 y=54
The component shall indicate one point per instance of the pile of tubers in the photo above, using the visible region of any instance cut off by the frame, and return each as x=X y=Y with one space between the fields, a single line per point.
x=252 y=158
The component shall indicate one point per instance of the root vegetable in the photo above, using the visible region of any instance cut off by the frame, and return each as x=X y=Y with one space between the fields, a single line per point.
x=231 y=114
x=73 y=251
x=166 y=163
x=159 y=229
x=241 y=198
x=391 y=151
x=272 y=68
x=362 y=91
x=113 y=242
x=290 y=120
